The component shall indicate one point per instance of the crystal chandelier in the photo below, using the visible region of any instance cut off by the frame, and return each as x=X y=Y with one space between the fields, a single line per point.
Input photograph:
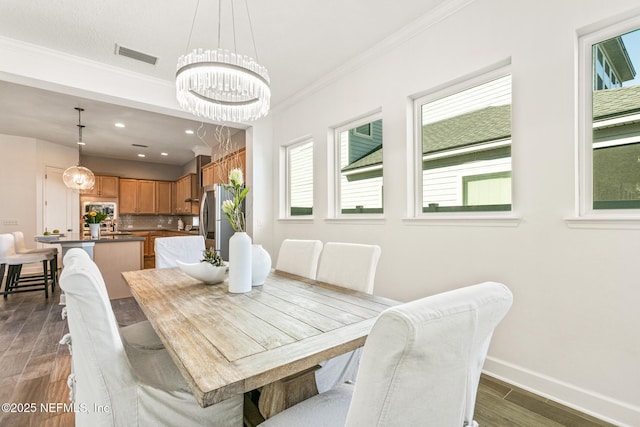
x=223 y=85
x=78 y=177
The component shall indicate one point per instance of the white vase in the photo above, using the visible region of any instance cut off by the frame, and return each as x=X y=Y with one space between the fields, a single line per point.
x=239 y=263
x=260 y=265
x=95 y=231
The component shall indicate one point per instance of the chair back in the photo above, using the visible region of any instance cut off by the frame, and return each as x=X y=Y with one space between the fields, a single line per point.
x=183 y=248
x=18 y=237
x=349 y=265
x=422 y=360
x=7 y=246
x=103 y=376
x=299 y=257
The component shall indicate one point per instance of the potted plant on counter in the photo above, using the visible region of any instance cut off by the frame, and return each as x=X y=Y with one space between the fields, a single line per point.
x=94 y=219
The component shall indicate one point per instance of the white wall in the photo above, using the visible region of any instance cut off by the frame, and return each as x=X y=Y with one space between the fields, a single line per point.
x=572 y=333
x=22 y=179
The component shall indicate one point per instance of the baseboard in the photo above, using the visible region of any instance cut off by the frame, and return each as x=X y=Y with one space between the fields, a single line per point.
x=586 y=401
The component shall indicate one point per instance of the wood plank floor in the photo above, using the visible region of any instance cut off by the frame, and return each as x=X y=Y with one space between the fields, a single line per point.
x=34 y=368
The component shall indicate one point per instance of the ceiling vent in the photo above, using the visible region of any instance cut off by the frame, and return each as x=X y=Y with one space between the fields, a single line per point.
x=140 y=145
x=134 y=54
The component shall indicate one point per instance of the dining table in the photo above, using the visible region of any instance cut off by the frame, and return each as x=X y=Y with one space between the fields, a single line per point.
x=272 y=337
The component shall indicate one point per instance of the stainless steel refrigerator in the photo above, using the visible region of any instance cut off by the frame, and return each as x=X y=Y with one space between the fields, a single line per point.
x=213 y=222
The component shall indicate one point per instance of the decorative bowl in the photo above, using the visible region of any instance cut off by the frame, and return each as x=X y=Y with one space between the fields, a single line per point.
x=204 y=271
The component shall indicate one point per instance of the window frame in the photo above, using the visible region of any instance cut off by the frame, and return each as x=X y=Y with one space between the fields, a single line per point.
x=585 y=214
x=285 y=204
x=498 y=217
x=336 y=210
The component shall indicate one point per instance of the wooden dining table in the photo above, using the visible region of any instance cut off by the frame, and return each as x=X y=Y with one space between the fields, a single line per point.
x=226 y=344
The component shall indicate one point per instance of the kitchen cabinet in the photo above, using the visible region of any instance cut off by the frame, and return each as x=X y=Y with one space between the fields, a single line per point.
x=137 y=196
x=145 y=235
x=218 y=172
x=207 y=174
x=186 y=189
x=105 y=186
x=164 y=203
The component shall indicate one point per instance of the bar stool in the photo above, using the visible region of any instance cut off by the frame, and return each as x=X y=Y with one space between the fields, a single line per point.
x=18 y=236
x=14 y=282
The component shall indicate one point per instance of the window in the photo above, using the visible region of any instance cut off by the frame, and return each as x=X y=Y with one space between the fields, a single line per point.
x=299 y=172
x=610 y=129
x=359 y=167
x=464 y=140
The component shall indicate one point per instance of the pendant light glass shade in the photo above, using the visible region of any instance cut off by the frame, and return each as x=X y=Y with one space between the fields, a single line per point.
x=78 y=177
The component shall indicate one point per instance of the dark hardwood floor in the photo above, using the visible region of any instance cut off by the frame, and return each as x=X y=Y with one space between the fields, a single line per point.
x=34 y=369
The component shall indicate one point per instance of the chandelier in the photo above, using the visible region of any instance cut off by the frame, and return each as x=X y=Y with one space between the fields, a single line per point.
x=78 y=177
x=223 y=85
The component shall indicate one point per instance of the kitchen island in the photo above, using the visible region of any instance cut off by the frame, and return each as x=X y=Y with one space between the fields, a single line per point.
x=113 y=253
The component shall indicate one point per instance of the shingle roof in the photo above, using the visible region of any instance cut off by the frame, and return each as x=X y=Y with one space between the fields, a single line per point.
x=488 y=124
x=620 y=101
x=373 y=158
x=494 y=123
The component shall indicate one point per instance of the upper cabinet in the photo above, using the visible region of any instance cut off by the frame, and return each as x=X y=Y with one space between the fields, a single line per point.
x=186 y=192
x=164 y=197
x=218 y=172
x=137 y=196
x=105 y=186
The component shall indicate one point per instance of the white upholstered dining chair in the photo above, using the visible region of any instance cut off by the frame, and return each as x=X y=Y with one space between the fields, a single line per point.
x=183 y=248
x=353 y=266
x=420 y=367
x=118 y=385
x=16 y=280
x=299 y=257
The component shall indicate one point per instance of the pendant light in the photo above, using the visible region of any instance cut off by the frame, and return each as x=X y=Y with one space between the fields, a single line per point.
x=78 y=177
x=221 y=84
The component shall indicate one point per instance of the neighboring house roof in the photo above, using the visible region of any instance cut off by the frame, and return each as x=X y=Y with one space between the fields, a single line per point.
x=373 y=158
x=619 y=58
x=494 y=124
x=620 y=101
x=488 y=124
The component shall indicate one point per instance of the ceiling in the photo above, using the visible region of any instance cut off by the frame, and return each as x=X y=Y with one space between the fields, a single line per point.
x=299 y=42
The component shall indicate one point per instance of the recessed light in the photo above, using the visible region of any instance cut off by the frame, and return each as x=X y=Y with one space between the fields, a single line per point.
x=188 y=132
x=164 y=154
x=119 y=125
x=81 y=143
x=141 y=155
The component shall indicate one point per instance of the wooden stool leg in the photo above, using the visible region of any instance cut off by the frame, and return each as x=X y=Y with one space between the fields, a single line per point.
x=2 y=268
x=54 y=272
x=45 y=277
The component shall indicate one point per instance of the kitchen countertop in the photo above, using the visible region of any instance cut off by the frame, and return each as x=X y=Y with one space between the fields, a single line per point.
x=175 y=230
x=78 y=238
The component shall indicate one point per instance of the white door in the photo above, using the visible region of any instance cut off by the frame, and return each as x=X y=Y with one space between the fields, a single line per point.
x=58 y=203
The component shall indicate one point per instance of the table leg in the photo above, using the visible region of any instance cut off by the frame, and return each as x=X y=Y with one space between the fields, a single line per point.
x=282 y=394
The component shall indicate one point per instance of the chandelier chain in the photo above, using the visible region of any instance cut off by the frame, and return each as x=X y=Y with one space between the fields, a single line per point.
x=253 y=39
x=193 y=23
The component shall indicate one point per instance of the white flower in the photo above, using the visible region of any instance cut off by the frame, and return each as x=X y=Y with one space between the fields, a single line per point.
x=228 y=207
x=235 y=177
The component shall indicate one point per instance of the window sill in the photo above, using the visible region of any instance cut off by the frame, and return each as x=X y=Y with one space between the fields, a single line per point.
x=361 y=219
x=465 y=220
x=300 y=220
x=611 y=222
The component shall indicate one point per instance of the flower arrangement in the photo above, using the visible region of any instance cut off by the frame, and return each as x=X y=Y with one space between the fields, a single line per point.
x=94 y=217
x=212 y=257
x=232 y=207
